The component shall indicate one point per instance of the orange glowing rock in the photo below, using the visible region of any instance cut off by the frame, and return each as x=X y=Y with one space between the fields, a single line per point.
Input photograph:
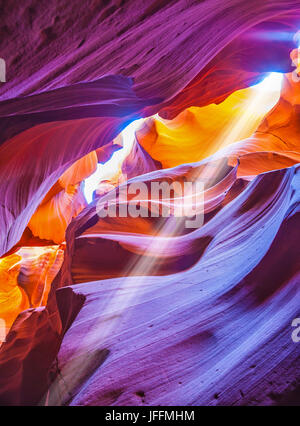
x=51 y=219
x=39 y=267
x=197 y=133
x=264 y=121
x=275 y=144
x=26 y=278
x=63 y=202
x=13 y=299
x=79 y=170
x=283 y=120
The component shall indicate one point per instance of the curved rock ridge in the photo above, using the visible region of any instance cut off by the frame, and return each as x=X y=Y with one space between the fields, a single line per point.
x=93 y=242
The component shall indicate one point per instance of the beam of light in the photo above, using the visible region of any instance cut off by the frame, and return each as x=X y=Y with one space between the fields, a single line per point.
x=272 y=83
x=264 y=97
x=91 y=183
x=138 y=271
x=249 y=106
x=113 y=166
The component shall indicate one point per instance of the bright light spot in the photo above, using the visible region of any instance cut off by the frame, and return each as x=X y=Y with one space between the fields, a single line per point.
x=112 y=167
x=272 y=83
x=91 y=183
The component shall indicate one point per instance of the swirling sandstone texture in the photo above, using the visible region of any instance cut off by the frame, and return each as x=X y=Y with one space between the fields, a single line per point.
x=142 y=310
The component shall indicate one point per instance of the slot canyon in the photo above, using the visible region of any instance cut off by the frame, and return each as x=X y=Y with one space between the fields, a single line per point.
x=139 y=309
